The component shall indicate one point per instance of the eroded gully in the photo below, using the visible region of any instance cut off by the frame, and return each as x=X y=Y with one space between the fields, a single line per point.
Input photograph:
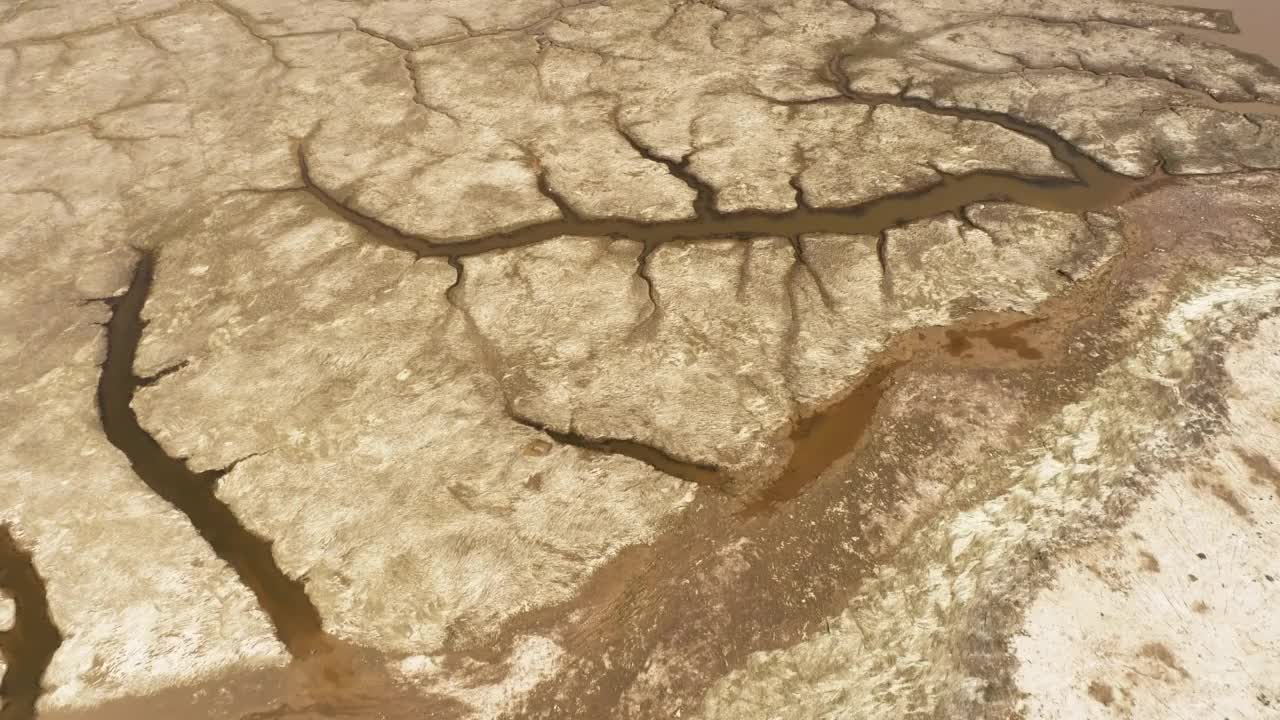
x=28 y=646
x=1094 y=188
x=819 y=440
x=836 y=429
x=295 y=619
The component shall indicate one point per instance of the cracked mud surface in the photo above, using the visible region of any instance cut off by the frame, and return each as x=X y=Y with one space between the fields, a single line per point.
x=639 y=359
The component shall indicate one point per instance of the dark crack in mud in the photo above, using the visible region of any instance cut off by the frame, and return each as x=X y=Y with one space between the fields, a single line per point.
x=1094 y=188
x=27 y=647
x=949 y=195
x=284 y=599
x=660 y=623
x=820 y=438
x=691 y=472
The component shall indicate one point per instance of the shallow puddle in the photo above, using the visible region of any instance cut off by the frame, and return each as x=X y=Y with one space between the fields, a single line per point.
x=980 y=339
x=28 y=646
x=1258 y=20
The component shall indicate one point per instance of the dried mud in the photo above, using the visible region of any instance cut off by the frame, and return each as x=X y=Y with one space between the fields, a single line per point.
x=734 y=573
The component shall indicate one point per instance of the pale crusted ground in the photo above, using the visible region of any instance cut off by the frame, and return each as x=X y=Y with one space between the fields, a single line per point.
x=1120 y=631
x=501 y=316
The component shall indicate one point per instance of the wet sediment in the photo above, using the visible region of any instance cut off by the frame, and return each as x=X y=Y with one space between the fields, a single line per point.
x=296 y=620
x=690 y=472
x=1255 y=25
x=951 y=194
x=656 y=626
x=637 y=601
x=1093 y=187
x=29 y=645
x=826 y=435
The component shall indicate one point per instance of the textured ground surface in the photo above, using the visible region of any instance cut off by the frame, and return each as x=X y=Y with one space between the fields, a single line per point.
x=732 y=359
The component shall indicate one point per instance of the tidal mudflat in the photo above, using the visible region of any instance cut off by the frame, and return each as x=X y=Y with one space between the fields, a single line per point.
x=720 y=359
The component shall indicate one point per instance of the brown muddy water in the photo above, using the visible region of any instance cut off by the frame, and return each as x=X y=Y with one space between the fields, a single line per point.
x=1092 y=187
x=1258 y=21
x=660 y=623
x=819 y=441
x=836 y=430
x=29 y=645
x=284 y=600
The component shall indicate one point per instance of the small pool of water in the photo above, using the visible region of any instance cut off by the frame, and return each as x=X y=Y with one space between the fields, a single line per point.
x=1259 y=22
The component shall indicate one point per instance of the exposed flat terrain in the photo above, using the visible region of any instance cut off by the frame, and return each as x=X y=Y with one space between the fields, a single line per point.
x=719 y=359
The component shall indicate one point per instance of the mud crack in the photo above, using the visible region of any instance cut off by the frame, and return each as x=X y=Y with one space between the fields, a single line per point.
x=27 y=647
x=704 y=203
x=690 y=472
x=1093 y=188
x=284 y=599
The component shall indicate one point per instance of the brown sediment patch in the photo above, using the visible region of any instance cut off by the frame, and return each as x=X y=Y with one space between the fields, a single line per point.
x=1256 y=23
x=1148 y=561
x=292 y=692
x=1262 y=468
x=28 y=646
x=1228 y=496
x=835 y=431
x=296 y=621
x=657 y=625
x=1101 y=692
x=999 y=338
x=1163 y=655
x=825 y=436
